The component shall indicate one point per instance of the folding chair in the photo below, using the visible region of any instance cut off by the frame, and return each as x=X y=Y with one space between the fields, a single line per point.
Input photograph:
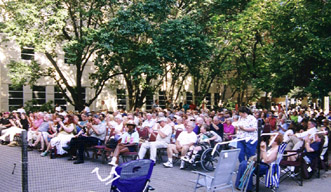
x=273 y=173
x=223 y=174
x=316 y=164
x=298 y=164
x=102 y=149
x=134 y=176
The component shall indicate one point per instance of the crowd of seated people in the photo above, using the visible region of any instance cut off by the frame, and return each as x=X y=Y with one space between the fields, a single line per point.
x=72 y=133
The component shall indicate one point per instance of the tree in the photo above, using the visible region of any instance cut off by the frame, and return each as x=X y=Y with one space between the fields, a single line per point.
x=241 y=32
x=301 y=47
x=70 y=24
x=145 y=42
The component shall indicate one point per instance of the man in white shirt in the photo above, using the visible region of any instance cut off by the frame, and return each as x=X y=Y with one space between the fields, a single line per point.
x=162 y=140
x=21 y=109
x=184 y=141
x=296 y=140
x=149 y=122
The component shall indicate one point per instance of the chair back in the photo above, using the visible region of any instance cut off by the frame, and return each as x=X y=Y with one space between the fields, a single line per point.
x=225 y=167
x=178 y=131
x=134 y=175
x=280 y=154
x=143 y=133
x=273 y=173
x=153 y=137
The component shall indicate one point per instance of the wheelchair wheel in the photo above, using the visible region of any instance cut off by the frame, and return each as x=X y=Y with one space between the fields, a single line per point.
x=209 y=161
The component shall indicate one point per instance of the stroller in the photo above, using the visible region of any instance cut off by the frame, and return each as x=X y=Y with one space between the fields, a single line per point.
x=134 y=176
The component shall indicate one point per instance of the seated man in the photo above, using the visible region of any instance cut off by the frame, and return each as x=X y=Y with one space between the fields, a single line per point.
x=5 y=123
x=162 y=139
x=312 y=147
x=95 y=133
x=149 y=122
x=184 y=141
x=129 y=142
x=295 y=141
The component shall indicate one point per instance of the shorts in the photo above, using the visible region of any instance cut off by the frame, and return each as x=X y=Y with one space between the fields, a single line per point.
x=132 y=148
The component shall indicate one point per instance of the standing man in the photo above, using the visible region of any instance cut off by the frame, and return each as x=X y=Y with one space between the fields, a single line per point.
x=162 y=139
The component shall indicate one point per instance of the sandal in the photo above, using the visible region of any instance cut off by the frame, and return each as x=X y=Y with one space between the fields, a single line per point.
x=40 y=150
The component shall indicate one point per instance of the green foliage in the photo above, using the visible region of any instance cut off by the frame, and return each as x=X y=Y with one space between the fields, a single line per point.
x=22 y=73
x=301 y=47
x=31 y=106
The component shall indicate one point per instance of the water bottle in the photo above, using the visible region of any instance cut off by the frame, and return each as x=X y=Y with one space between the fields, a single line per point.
x=99 y=142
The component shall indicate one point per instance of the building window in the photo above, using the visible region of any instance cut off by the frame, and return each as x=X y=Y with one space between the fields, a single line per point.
x=16 y=98
x=149 y=101
x=27 y=53
x=121 y=99
x=189 y=97
x=59 y=98
x=39 y=95
x=162 y=99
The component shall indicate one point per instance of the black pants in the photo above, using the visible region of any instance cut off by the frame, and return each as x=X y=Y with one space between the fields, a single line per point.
x=81 y=143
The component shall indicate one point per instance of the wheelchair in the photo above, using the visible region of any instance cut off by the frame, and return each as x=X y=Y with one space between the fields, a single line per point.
x=207 y=158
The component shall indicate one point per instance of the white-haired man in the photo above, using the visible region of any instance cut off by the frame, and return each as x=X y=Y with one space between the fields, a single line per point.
x=184 y=141
x=162 y=139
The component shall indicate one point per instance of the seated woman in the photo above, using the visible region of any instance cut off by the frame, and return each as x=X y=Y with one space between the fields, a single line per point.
x=129 y=142
x=266 y=156
x=206 y=139
x=19 y=122
x=228 y=129
x=66 y=132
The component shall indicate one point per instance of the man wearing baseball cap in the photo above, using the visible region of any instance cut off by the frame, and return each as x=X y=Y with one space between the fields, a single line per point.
x=162 y=139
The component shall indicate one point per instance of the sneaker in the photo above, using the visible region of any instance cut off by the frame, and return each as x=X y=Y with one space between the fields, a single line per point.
x=113 y=162
x=168 y=164
x=44 y=154
x=182 y=164
x=185 y=158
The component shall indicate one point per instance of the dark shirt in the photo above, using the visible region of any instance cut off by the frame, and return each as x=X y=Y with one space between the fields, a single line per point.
x=196 y=130
x=6 y=121
x=25 y=124
x=315 y=153
x=220 y=131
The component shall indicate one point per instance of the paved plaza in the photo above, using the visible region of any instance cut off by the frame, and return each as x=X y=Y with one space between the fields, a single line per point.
x=52 y=175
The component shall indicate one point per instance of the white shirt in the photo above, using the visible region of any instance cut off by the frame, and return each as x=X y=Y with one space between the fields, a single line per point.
x=248 y=122
x=310 y=132
x=167 y=130
x=58 y=109
x=148 y=123
x=21 y=110
x=87 y=109
x=185 y=138
x=181 y=126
